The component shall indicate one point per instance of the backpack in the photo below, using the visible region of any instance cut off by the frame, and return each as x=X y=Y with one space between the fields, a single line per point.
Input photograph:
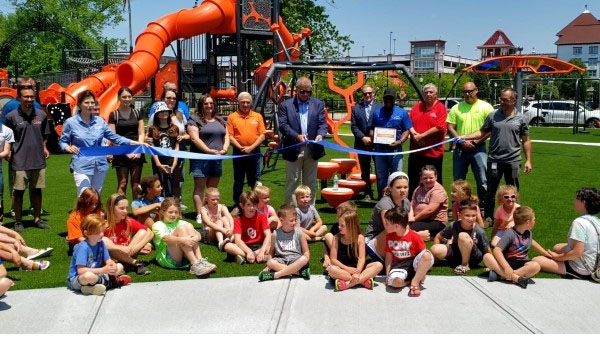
x=595 y=271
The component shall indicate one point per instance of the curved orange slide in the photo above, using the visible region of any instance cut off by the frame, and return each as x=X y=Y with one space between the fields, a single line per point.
x=214 y=16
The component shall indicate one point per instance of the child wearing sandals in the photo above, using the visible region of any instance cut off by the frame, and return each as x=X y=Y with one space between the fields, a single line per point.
x=289 y=249
x=507 y=196
x=11 y=250
x=341 y=209
x=263 y=207
x=125 y=237
x=88 y=203
x=252 y=235
x=348 y=254
x=461 y=191
x=176 y=241
x=509 y=259
x=216 y=219
x=407 y=260
x=467 y=239
x=92 y=271
x=16 y=241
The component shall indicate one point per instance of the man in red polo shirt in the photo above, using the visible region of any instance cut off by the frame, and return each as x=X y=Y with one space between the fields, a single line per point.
x=429 y=127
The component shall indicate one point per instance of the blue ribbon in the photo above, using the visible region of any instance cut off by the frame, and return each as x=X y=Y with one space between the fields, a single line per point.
x=144 y=149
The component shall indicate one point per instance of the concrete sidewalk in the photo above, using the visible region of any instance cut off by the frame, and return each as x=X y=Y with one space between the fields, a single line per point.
x=243 y=305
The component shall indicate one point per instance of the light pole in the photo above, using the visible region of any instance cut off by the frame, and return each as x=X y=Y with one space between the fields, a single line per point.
x=394 y=46
x=390 y=42
x=363 y=50
x=458 y=48
x=495 y=86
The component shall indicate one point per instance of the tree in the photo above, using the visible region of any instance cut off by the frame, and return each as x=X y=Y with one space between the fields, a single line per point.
x=38 y=52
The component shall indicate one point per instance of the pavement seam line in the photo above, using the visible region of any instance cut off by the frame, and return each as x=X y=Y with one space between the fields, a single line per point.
x=283 y=304
x=96 y=315
x=507 y=309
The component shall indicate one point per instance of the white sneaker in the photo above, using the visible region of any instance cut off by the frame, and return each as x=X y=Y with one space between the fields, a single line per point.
x=96 y=289
x=183 y=207
x=199 y=219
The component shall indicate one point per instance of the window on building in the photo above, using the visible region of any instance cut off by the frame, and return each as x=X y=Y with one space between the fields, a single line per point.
x=592 y=61
x=592 y=72
x=424 y=52
x=577 y=50
x=593 y=50
x=421 y=64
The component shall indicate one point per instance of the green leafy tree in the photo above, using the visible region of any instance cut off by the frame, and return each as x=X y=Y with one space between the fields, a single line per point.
x=38 y=52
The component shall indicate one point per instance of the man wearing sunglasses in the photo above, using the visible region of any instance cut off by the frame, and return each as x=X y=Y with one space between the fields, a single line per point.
x=302 y=118
x=509 y=131
x=362 y=115
x=465 y=118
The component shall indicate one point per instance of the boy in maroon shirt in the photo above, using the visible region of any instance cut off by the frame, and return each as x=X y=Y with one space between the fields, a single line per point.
x=406 y=260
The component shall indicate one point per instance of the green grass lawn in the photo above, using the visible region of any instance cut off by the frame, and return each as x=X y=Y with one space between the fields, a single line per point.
x=558 y=171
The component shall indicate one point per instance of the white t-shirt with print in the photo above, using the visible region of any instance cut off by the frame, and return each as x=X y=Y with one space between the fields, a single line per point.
x=582 y=230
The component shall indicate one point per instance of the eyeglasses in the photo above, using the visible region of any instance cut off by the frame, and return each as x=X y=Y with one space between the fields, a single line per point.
x=305 y=92
x=368 y=93
x=506 y=100
x=510 y=197
x=469 y=92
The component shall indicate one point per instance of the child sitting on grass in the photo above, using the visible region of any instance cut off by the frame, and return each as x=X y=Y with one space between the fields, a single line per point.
x=145 y=208
x=467 y=239
x=251 y=232
x=507 y=196
x=509 y=259
x=5 y=283
x=308 y=218
x=407 y=260
x=347 y=256
x=289 y=249
x=263 y=207
x=341 y=209
x=125 y=237
x=461 y=191
x=11 y=250
x=88 y=203
x=16 y=241
x=92 y=271
x=216 y=219
x=176 y=241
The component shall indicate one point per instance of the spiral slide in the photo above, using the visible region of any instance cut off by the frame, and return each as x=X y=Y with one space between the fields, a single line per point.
x=212 y=16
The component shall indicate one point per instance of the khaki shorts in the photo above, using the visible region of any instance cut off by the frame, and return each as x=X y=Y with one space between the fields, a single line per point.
x=34 y=178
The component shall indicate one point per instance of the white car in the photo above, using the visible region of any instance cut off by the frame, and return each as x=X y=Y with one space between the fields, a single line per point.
x=542 y=113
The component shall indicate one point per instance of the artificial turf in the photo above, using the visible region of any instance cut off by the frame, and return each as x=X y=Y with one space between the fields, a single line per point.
x=558 y=171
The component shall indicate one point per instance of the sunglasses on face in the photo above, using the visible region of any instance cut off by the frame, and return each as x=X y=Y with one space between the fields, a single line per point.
x=510 y=197
x=368 y=93
x=305 y=92
x=469 y=92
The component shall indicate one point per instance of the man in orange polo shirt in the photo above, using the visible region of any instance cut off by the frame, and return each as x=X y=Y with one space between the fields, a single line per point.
x=246 y=132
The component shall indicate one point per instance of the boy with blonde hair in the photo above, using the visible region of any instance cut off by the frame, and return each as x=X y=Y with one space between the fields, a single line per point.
x=308 y=218
x=509 y=259
x=92 y=271
x=289 y=249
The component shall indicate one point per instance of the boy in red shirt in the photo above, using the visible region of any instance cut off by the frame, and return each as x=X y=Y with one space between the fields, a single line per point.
x=251 y=232
x=406 y=260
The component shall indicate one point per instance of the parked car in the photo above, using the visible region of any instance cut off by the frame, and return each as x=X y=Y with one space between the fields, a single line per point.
x=559 y=113
x=451 y=102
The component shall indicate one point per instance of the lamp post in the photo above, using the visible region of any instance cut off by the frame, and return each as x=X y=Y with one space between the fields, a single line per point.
x=394 y=46
x=495 y=97
x=390 y=42
x=458 y=48
x=363 y=50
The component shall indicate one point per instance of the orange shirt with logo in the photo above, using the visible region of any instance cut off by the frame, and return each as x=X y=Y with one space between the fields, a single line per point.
x=245 y=129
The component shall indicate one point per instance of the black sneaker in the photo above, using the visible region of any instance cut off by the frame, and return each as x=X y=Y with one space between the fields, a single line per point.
x=265 y=276
x=19 y=227
x=305 y=272
x=141 y=269
x=42 y=224
x=523 y=281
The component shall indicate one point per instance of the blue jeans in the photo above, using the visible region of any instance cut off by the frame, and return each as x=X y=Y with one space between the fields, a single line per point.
x=477 y=158
x=245 y=168
x=384 y=166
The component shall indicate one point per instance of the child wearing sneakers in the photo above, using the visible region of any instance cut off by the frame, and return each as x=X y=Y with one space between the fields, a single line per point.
x=308 y=217
x=509 y=259
x=289 y=249
x=407 y=260
x=347 y=256
x=341 y=209
x=263 y=207
x=176 y=241
x=92 y=271
x=217 y=221
x=252 y=235
x=469 y=242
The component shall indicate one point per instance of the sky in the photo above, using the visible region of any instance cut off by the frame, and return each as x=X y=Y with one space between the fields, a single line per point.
x=531 y=24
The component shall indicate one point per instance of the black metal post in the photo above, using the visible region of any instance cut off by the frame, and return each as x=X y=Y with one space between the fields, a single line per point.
x=238 y=45
x=105 y=54
x=179 y=71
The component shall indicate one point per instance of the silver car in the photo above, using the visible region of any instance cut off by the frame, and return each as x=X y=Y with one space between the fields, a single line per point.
x=542 y=113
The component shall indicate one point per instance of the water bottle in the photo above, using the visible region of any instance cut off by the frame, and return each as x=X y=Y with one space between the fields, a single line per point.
x=335 y=182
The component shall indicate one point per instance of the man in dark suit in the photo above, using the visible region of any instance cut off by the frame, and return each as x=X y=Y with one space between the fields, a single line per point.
x=361 y=118
x=302 y=118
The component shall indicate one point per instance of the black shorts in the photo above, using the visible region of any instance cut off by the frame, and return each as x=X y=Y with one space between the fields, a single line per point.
x=517 y=264
x=574 y=274
x=124 y=161
x=453 y=256
x=403 y=270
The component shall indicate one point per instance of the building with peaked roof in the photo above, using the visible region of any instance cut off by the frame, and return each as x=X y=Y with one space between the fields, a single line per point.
x=497 y=45
x=580 y=39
